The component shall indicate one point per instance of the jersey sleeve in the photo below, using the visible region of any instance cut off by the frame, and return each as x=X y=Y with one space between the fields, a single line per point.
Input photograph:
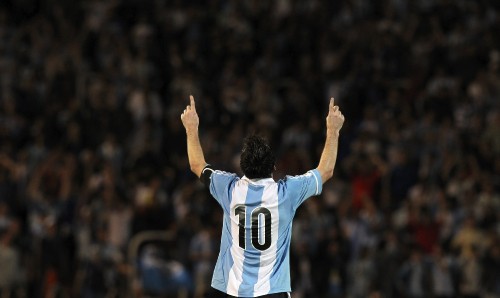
x=302 y=187
x=220 y=186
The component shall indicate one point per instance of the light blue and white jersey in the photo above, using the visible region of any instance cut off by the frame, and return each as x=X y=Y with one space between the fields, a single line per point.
x=257 y=229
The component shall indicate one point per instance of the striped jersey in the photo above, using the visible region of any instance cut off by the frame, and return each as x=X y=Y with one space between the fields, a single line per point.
x=257 y=229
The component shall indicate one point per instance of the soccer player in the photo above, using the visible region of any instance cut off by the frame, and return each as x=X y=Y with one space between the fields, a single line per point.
x=258 y=212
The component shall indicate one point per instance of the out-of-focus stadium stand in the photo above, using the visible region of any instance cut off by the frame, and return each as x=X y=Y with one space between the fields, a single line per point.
x=92 y=151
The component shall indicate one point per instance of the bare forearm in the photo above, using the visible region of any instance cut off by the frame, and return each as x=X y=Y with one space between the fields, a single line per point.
x=329 y=156
x=334 y=122
x=195 y=152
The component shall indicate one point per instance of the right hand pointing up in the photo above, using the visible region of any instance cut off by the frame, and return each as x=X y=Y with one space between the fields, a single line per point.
x=335 y=119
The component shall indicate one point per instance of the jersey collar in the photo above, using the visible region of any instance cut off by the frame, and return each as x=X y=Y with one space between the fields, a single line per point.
x=259 y=181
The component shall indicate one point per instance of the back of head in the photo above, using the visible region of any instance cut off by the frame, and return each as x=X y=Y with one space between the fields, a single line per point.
x=257 y=159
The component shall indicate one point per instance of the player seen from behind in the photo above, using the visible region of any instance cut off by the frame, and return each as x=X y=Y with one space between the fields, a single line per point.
x=254 y=254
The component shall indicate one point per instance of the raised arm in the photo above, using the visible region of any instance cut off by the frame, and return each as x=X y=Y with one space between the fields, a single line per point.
x=334 y=122
x=191 y=121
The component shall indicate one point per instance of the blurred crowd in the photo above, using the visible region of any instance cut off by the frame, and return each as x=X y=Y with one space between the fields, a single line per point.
x=92 y=150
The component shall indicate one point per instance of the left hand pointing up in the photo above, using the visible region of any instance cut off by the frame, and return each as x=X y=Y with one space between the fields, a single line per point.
x=189 y=117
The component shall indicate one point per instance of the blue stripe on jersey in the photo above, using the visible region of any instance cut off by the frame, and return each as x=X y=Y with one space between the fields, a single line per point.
x=252 y=255
x=221 y=187
x=224 y=264
x=284 y=229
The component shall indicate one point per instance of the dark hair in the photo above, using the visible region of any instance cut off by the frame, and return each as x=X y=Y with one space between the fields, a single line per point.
x=257 y=159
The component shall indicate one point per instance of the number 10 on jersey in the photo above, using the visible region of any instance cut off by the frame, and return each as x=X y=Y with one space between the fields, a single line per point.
x=240 y=211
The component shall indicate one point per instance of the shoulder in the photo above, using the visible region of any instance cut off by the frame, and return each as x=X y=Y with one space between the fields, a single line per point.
x=310 y=180
x=211 y=175
x=227 y=177
x=210 y=170
x=224 y=174
x=221 y=172
x=292 y=178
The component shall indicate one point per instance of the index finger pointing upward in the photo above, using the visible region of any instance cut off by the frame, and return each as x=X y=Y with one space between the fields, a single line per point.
x=191 y=99
x=332 y=103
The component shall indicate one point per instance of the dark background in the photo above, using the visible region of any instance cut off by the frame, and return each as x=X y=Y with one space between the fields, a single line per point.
x=92 y=150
